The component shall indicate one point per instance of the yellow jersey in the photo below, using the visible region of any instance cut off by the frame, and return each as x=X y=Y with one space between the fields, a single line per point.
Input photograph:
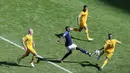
x=109 y=46
x=83 y=17
x=28 y=39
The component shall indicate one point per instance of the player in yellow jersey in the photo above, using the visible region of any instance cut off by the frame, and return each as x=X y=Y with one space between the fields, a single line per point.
x=108 y=49
x=81 y=20
x=28 y=44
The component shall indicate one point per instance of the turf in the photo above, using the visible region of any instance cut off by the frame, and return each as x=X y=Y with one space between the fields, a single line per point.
x=48 y=18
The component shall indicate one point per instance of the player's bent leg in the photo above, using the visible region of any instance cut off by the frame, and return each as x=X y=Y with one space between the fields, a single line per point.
x=108 y=56
x=32 y=61
x=105 y=62
x=25 y=55
x=80 y=29
x=66 y=55
x=100 y=55
x=35 y=54
x=87 y=34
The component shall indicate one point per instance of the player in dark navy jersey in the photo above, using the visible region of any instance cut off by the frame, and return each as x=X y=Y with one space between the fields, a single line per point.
x=69 y=45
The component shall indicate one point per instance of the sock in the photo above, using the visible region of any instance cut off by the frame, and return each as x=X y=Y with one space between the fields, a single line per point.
x=33 y=57
x=105 y=62
x=87 y=35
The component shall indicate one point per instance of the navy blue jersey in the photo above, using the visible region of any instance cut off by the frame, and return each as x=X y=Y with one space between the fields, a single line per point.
x=67 y=38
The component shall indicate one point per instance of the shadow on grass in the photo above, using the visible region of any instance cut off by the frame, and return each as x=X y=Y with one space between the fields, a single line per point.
x=124 y=4
x=82 y=63
x=5 y=63
x=61 y=34
x=89 y=64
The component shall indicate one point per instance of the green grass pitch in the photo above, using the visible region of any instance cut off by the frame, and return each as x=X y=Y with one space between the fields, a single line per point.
x=49 y=17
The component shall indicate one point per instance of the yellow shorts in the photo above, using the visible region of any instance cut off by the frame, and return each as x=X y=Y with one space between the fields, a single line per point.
x=31 y=50
x=83 y=25
x=108 y=55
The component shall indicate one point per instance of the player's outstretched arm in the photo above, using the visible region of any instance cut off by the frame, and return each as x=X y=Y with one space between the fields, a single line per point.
x=59 y=40
x=78 y=19
x=23 y=43
x=118 y=42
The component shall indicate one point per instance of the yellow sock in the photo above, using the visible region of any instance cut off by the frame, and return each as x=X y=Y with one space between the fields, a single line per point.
x=87 y=35
x=33 y=57
x=105 y=62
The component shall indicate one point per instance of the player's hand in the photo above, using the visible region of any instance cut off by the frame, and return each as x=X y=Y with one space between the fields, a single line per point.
x=25 y=48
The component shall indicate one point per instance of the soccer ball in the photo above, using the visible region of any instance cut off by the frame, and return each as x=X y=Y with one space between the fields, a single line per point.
x=97 y=52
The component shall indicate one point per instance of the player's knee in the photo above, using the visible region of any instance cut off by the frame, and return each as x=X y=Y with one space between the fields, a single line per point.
x=33 y=58
x=26 y=55
x=77 y=48
x=80 y=30
x=70 y=52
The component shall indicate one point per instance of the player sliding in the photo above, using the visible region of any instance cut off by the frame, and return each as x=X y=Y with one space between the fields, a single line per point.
x=82 y=19
x=109 y=48
x=28 y=46
x=69 y=45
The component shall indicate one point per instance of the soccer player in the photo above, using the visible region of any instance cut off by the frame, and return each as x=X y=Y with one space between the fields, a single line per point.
x=81 y=20
x=108 y=49
x=69 y=45
x=28 y=44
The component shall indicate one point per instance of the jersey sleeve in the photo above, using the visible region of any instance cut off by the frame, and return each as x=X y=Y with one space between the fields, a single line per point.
x=25 y=38
x=65 y=34
x=105 y=45
x=81 y=13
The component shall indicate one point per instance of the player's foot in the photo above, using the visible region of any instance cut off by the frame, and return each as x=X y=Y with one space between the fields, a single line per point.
x=90 y=39
x=32 y=65
x=60 y=60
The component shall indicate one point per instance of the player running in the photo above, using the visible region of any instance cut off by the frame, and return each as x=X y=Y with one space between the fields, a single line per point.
x=109 y=48
x=81 y=20
x=69 y=45
x=28 y=44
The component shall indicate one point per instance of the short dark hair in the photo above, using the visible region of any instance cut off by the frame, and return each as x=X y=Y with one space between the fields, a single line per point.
x=85 y=6
x=109 y=36
x=67 y=28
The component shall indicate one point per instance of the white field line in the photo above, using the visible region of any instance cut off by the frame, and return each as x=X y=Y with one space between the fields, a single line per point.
x=23 y=49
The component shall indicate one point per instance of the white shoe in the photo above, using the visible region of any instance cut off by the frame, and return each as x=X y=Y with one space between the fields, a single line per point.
x=38 y=56
x=32 y=65
x=90 y=39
